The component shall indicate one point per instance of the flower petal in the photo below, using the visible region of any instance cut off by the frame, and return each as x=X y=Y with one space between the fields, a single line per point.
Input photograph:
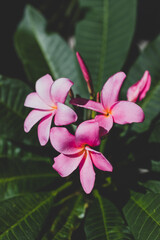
x=60 y=89
x=33 y=117
x=34 y=101
x=43 y=86
x=111 y=89
x=87 y=173
x=63 y=141
x=89 y=104
x=105 y=123
x=65 y=165
x=87 y=133
x=44 y=129
x=64 y=115
x=147 y=85
x=100 y=161
x=127 y=112
x=140 y=88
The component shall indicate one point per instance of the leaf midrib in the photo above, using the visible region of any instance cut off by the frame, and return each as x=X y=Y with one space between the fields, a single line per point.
x=15 y=178
x=50 y=65
x=104 y=41
x=141 y=207
x=102 y=212
x=26 y=215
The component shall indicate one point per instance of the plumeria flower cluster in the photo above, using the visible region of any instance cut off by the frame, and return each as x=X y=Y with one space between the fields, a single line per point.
x=48 y=103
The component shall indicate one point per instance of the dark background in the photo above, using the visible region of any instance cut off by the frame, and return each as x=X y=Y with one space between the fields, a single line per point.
x=62 y=16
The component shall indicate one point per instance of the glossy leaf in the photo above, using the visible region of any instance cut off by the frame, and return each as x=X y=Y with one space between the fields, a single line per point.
x=42 y=52
x=155 y=166
x=12 y=150
x=142 y=215
x=152 y=185
x=23 y=217
x=75 y=214
x=17 y=177
x=104 y=36
x=148 y=60
x=12 y=111
x=104 y=221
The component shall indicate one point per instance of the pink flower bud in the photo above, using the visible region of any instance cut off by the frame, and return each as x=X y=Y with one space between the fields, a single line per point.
x=138 y=90
x=85 y=73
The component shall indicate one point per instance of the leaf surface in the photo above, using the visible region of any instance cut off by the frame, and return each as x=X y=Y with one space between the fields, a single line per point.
x=142 y=215
x=104 y=221
x=104 y=36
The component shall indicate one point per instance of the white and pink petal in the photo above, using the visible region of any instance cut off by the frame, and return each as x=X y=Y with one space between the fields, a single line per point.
x=43 y=86
x=100 y=161
x=89 y=104
x=44 y=129
x=34 y=101
x=124 y=112
x=65 y=165
x=64 y=115
x=60 y=89
x=63 y=141
x=33 y=117
x=87 y=133
x=87 y=173
x=105 y=123
x=111 y=89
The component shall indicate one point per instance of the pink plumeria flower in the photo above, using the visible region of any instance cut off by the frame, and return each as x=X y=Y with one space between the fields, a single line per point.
x=138 y=90
x=48 y=101
x=110 y=109
x=75 y=151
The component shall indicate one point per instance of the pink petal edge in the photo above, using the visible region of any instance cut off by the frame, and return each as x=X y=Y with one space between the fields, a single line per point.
x=65 y=165
x=63 y=141
x=124 y=112
x=87 y=133
x=43 y=86
x=64 y=115
x=60 y=89
x=87 y=174
x=111 y=89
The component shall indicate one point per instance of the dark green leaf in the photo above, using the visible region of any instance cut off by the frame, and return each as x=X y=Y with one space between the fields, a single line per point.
x=155 y=134
x=104 y=221
x=104 y=36
x=148 y=60
x=142 y=215
x=12 y=111
x=75 y=212
x=152 y=185
x=23 y=217
x=11 y=150
x=155 y=166
x=17 y=177
x=42 y=52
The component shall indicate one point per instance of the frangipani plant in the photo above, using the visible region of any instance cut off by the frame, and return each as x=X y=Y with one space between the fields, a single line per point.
x=83 y=122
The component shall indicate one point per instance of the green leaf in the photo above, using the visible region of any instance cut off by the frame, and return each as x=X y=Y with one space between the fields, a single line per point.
x=75 y=213
x=12 y=150
x=17 y=177
x=104 y=221
x=42 y=52
x=142 y=215
x=23 y=217
x=152 y=185
x=155 y=166
x=154 y=137
x=148 y=60
x=104 y=36
x=12 y=111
